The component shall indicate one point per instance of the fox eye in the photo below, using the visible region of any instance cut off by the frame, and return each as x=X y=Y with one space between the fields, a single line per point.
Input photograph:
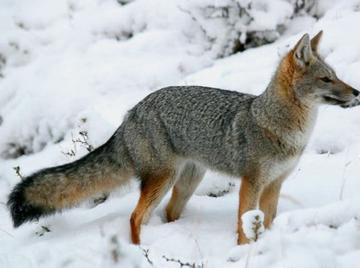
x=325 y=79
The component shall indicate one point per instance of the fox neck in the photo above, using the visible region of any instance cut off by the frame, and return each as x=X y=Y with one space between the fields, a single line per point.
x=281 y=112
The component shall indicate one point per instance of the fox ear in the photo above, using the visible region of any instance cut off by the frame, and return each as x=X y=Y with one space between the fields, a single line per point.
x=315 y=40
x=302 y=51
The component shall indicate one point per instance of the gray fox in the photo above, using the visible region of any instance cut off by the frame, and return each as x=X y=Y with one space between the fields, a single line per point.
x=173 y=135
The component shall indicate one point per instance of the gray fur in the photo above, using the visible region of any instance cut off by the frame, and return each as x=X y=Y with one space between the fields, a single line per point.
x=217 y=128
x=187 y=129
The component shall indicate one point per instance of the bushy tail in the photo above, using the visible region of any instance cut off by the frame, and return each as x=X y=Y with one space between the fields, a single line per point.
x=56 y=188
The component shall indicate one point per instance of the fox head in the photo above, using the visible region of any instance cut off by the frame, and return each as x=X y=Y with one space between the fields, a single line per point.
x=311 y=79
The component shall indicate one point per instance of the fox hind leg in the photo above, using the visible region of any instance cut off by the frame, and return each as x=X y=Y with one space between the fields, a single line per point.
x=189 y=179
x=153 y=188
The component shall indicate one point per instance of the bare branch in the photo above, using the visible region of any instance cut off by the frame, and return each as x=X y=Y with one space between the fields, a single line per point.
x=183 y=264
x=17 y=171
x=44 y=229
x=146 y=254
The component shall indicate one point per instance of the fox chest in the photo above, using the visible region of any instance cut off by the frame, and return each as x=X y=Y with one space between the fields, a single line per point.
x=290 y=149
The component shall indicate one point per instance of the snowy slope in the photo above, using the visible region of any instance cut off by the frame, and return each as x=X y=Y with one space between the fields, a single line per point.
x=79 y=65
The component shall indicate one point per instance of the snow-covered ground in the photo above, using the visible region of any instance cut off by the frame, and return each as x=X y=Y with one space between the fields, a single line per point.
x=69 y=66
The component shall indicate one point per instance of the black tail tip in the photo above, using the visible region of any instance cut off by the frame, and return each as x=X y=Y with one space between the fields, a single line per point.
x=21 y=210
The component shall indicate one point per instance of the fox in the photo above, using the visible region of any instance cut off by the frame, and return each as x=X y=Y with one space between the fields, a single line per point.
x=171 y=137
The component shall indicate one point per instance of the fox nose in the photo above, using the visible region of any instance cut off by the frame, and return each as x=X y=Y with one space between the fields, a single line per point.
x=355 y=92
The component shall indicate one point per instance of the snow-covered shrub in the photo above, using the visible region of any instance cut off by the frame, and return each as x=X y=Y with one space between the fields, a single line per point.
x=231 y=26
x=305 y=6
x=235 y=25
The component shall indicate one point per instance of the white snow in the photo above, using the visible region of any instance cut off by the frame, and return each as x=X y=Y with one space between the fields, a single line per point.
x=68 y=66
x=253 y=224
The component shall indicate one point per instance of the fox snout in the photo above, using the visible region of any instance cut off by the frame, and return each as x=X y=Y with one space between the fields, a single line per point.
x=341 y=94
x=354 y=99
x=355 y=92
x=348 y=90
x=348 y=93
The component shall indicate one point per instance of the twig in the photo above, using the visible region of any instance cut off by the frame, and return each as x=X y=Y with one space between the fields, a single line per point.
x=183 y=264
x=256 y=227
x=146 y=254
x=84 y=141
x=70 y=153
x=17 y=171
x=44 y=229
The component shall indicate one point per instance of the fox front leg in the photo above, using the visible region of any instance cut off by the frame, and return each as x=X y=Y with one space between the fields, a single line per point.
x=269 y=201
x=250 y=192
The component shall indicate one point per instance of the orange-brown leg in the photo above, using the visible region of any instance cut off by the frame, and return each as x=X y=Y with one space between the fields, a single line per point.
x=269 y=200
x=153 y=189
x=249 y=198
